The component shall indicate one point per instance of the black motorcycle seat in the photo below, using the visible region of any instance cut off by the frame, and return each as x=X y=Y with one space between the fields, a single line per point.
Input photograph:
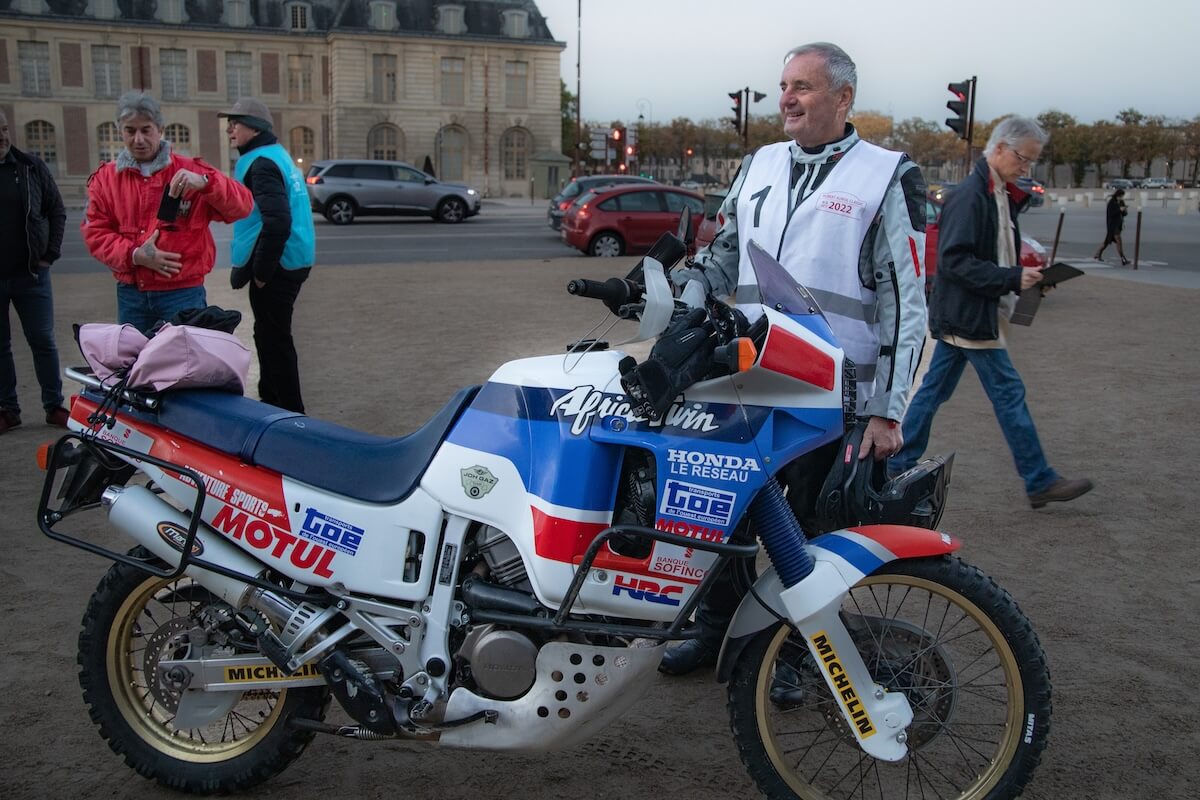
x=374 y=469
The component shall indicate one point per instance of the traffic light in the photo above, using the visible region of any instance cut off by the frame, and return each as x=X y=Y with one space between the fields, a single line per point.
x=963 y=106
x=737 y=109
x=618 y=141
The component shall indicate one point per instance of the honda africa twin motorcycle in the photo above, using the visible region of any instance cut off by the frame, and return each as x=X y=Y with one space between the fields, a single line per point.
x=507 y=576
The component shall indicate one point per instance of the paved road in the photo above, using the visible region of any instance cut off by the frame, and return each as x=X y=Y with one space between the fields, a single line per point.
x=1169 y=240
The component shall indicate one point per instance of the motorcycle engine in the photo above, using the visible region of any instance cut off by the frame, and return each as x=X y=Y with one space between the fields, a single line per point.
x=503 y=663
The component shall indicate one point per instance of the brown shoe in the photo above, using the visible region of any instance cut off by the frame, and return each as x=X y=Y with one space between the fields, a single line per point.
x=58 y=416
x=9 y=420
x=1061 y=491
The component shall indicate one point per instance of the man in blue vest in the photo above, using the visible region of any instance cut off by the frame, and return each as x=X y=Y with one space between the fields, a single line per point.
x=273 y=248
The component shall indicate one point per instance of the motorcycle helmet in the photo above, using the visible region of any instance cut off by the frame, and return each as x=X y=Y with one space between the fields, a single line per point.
x=860 y=493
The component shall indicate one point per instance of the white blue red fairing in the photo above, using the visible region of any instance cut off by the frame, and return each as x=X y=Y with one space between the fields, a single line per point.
x=559 y=427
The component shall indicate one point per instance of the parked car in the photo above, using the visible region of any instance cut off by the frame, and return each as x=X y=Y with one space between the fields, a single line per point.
x=1160 y=183
x=939 y=190
x=1035 y=189
x=571 y=192
x=344 y=189
x=713 y=219
x=613 y=221
x=689 y=184
x=1032 y=252
x=1122 y=183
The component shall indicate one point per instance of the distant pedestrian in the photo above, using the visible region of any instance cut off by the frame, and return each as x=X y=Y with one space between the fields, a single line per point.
x=32 y=221
x=148 y=218
x=1114 y=220
x=273 y=248
x=978 y=270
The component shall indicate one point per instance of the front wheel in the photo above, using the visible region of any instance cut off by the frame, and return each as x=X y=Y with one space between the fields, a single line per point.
x=135 y=620
x=936 y=629
x=451 y=210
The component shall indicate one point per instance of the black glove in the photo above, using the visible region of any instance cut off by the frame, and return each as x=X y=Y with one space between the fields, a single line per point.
x=680 y=357
x=240 y=276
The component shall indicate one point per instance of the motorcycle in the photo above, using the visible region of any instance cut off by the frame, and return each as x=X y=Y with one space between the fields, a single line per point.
x=507 y=576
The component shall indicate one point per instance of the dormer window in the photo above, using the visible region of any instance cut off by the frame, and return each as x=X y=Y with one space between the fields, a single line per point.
x=383 y=15
x=298 y=16
x=451 y=19
x=31 y=6
x=102 y=9
x=171 y=11
x=237 y=13
x=515 y=23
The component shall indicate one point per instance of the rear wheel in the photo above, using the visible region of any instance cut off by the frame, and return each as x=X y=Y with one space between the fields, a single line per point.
x=958 y=647
x=133 y=621
x=606 y=245
x=451 y=210
x=340 y=211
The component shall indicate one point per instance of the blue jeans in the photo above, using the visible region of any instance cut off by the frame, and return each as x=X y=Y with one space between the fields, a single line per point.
x=1006 y=391
x=143 y=310
x=34 y=303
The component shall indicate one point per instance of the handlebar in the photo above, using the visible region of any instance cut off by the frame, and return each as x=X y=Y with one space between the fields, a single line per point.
x=615 y=292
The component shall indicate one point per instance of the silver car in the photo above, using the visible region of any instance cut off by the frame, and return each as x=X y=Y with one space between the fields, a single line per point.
x=343 y=189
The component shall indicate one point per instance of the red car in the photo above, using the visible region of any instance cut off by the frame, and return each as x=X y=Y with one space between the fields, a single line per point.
x=713 y=219
x=1032 y=252
x=616 y=220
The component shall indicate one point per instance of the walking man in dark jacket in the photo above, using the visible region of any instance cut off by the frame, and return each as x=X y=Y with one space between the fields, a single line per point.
x=978 y=272
x=32 y=221
x=273 y=248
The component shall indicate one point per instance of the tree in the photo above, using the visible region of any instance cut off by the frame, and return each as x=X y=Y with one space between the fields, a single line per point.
x=1103 y=146
x=1054 y=122
x=925 y=142
x=1190 y=134
x=1073 y=146
x=873 y=127
x=570 y=120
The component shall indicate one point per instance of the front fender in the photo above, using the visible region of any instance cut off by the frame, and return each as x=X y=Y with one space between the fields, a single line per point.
x=854 y=552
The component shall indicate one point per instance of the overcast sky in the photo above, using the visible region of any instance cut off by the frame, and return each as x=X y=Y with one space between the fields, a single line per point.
x=1089 y=58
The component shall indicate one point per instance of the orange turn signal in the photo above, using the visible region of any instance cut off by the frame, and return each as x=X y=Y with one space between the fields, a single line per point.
x=43 y=457
x=747 y=353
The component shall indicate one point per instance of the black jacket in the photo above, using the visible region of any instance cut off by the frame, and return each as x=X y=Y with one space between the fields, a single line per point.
x=1114 y=215
x=265 y=182
x=45 y=216
x=969 y=284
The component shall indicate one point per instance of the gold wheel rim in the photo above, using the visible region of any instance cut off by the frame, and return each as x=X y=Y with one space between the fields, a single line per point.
x=1009 y=734
x=150 y=721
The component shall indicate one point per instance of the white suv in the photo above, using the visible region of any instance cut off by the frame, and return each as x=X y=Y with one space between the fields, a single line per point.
x=344 y=189
x=1159 y=183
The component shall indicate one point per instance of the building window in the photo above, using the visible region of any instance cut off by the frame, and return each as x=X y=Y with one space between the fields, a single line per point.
x=300 y=79
x=451 y=19
x=35 y=68
x=31 y=7
x=237 y=13
x=180 y=138
x=515 y=23
x=298 y=16
x=171 y=11
x=173 y=65
x=39 y=140
x=106 y=70
x=303 y=145
x=516 y=82
x=451 y=153
x=383 y=71
x=514 y=154
x=452 y=81
x=109 y=142
x=383 y=15
x=237 y=75
x=383 y=142
x=103 y=9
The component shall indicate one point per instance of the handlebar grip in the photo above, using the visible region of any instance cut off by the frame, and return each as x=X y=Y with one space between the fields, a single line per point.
x=614 y=292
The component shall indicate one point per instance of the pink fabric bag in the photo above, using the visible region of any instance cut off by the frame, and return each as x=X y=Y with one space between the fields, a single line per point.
x=109 y=347
x=187 y=357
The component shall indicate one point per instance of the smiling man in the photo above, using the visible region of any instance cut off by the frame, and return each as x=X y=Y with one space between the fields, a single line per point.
x=847 y=219
x=148 y=218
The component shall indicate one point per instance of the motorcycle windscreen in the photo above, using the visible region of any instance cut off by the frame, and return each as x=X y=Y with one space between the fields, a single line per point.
x=778 y=290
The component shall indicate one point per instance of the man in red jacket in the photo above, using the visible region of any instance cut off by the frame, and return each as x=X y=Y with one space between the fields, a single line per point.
x=148 y=218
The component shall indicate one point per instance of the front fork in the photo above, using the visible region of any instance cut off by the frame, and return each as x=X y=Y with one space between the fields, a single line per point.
x=811 y=600
x=877 y=718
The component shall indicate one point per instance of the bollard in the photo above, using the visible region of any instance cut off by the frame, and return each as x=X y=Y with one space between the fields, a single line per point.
x=1062 y=212
x=530 y=190
x=1137 y=238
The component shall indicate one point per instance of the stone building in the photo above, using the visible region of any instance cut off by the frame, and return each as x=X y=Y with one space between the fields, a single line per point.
x=470 y=87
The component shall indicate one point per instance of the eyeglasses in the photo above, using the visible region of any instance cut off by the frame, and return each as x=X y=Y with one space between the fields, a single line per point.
x=1026 y=160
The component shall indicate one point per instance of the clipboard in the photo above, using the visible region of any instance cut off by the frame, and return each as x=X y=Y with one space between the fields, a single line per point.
x=1029 y=301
